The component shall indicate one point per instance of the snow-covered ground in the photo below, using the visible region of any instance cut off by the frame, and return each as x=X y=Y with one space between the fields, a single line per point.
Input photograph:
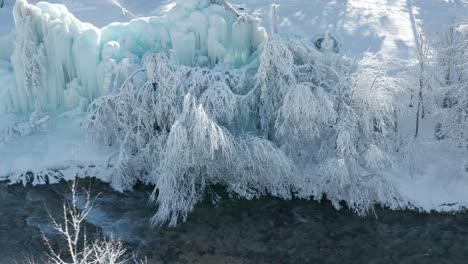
x=388 y=28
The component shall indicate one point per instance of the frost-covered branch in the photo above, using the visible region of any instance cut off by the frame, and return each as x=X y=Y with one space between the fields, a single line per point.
x=78 y=249
x=186 y=128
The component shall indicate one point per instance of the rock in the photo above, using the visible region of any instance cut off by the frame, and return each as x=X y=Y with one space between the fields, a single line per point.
x=19 y=222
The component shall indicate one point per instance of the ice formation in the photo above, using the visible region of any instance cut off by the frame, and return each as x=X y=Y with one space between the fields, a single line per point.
x=58 y=61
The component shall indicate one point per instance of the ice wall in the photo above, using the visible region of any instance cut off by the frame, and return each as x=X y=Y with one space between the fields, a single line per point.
x=59 y=61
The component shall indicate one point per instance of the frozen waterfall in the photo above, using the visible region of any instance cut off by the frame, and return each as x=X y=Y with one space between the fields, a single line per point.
x=58 y=61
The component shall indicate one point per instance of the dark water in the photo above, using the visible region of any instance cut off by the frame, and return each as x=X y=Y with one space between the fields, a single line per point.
x=239 y=231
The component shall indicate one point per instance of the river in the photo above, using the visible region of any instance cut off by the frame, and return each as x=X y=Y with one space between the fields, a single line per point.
x=266 y=230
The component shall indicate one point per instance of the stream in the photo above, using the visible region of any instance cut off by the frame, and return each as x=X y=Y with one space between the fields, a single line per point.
x=267 y=230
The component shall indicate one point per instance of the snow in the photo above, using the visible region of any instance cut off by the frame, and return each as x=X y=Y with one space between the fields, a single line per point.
x=60 y=148
x=385 y=27
x=82 y=62
x=364 y=25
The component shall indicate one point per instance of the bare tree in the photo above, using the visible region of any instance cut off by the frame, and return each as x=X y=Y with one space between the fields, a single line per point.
x=79 y=249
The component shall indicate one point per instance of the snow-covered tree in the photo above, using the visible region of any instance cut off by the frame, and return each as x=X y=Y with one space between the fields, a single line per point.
x=359 y=144
x=186 y=128
x=197 y=152
x=451 y=72
x=274 y=78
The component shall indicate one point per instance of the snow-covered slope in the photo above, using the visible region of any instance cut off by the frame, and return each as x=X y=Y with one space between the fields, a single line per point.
x=389 y=27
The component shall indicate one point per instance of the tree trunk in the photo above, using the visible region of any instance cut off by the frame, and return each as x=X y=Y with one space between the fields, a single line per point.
x=417 y=120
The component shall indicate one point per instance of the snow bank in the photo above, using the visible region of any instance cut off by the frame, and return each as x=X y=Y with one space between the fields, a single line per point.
x=58 y=60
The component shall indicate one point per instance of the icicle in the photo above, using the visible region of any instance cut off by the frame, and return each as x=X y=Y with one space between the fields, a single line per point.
x=242 y=37
x=216 y=38
x=200 y=22
x=184 y=44
x=274 y=18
